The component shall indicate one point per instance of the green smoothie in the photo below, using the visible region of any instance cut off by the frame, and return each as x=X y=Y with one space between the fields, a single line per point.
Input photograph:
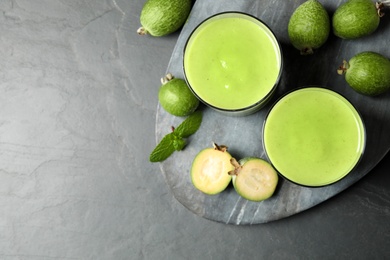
x=232 y=61
x=313 y=136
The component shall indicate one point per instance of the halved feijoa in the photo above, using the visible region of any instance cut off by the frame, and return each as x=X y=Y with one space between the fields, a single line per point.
x=367 y=73
x=254 y=178
x=209 y=171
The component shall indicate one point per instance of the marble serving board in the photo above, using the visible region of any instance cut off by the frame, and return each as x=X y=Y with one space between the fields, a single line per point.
x=243 y=135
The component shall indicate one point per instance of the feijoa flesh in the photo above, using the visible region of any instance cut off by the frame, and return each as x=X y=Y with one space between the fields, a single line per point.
x=209 y=170
x=367 y=73
x=356 y=18
x=162 y=17
x=175 y=96
x=254 y=178
x=309 y=26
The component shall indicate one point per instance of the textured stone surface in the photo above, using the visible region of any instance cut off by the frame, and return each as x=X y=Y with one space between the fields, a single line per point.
x=78 y=99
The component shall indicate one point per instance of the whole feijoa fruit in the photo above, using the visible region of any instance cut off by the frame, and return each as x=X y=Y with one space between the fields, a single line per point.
x=356 y=18
x=175 y=96
x=367 y=73
x=254 y=178
x=209 y=170
x=309 y=26
x=162 y=17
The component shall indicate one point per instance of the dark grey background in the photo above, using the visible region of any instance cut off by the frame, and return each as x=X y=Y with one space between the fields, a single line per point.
x=78 y=101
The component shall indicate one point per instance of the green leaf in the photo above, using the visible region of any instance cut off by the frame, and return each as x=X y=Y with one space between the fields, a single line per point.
x=190 y=125
x=174 y=141
x=179 y=144
x=164 y=149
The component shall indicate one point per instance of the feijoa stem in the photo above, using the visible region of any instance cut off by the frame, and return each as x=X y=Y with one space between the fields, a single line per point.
x=142 y=31
x=380 y=6
x=307 y=51
x=237 y=167
x=221 y=148
x=167 y=78
x=343 y=68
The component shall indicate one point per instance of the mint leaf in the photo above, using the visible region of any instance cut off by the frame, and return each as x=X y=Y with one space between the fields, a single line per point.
x=174 y=141
x=190 y=125
x=179 y=143
x=164 y=149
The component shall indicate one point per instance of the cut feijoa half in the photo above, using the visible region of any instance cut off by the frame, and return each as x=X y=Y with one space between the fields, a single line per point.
x=254 y=178
x=209 y=171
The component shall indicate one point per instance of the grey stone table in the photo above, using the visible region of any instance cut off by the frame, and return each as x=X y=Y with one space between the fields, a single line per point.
x=78 y=107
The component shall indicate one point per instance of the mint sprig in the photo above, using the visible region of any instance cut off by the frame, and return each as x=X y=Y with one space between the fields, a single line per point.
x=175 y=141
x=164 y=149
x=190 y=125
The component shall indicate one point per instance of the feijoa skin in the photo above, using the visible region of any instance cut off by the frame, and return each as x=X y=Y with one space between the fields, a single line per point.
x=162 y=17
x=309 y=26
x=368 y=73
x=176 y=98
x=254 y=179
x=356 y=18
x=209 y=170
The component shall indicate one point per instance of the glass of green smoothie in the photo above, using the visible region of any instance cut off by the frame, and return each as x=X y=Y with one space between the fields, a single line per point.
x=314 y=136
x=232 y=63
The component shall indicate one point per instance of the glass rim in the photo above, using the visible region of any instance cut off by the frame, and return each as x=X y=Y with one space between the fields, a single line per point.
x=363 y=134
x=263 y=100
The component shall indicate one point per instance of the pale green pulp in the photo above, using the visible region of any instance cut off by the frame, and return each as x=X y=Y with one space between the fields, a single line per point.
x=232 y=61
x=314 y=136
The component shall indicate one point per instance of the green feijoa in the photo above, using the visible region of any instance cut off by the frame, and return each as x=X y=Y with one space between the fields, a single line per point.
x=367 y=73
x=254 y=178
x=356 y=18
x=175 y=96
x=162 y=17
x=309 y=26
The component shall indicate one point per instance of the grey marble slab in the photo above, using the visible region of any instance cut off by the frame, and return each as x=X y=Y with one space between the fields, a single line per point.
x=243 y=135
